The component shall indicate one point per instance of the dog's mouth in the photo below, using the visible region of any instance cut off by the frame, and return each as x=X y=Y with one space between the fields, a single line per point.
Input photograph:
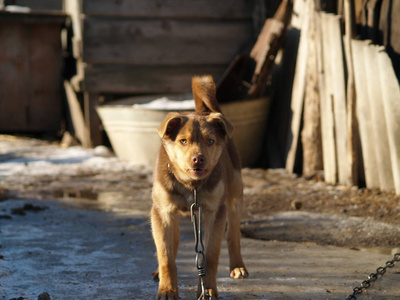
x=198 y=172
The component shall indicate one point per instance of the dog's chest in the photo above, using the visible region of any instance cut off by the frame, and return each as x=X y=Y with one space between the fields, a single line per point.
x=185 y=202
x=209 y=200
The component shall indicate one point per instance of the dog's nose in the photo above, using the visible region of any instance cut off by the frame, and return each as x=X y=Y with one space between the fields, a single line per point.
x=198 y=159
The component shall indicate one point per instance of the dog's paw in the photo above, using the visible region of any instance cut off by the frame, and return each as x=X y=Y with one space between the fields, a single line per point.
x=213 y=293
x=167 y=295
x=239 y=273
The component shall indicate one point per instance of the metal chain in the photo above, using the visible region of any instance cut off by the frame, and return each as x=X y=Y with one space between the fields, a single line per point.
x=373 y=277
x=199 y=246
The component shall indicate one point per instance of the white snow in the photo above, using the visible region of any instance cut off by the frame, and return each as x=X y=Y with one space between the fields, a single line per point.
x=166 y=103
x=52 y=160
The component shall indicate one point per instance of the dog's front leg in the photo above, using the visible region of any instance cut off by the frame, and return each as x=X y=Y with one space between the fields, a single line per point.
x=165 y=228
x=214 y=228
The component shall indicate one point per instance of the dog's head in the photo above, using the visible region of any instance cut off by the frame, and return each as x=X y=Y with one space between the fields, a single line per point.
x=194 y=142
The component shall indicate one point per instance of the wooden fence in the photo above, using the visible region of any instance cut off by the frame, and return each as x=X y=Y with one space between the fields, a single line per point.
x=323 y=80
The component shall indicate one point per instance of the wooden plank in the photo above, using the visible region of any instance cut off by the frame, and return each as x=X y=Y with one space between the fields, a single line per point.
x=163 y=42
x=298 y=16
x=235 y=9
x=379 y=128
x=92 y=120
x=75 y=110
x=141 y=80
x=327 y=118
x=297 y=102
x=391 y=104
x=352 y=132
x=73 y=8
x=339 y=95
x=364 y=115
x=311 y=133
x=264 y=53
x=261 y=47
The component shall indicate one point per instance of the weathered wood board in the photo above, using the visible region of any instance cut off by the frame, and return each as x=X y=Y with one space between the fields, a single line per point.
x=378 y=120
x=311 y=133
x=144 y=80
x=238 y=9
x=364 y=115
x=77 y=118
x=391 y=104
x=327 y=113
x=352 y=132
x=264 y=53
x=337 y=89
x=163 y=41
x=297 y=102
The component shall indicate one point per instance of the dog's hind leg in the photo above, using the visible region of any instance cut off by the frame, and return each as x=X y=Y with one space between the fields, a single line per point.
x=166 y=236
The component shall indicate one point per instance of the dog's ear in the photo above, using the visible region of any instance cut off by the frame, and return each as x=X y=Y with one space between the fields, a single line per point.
x=222 y=123
x=170 y=126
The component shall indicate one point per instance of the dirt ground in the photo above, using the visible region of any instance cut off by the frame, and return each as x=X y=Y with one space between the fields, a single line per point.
x=277 y=206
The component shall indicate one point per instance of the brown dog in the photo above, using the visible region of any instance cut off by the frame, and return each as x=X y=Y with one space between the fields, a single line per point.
x=197 y=152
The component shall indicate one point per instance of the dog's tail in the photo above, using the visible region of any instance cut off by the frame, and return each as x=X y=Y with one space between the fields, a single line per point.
x=205 y=99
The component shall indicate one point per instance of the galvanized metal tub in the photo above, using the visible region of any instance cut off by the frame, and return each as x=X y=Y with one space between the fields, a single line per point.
x=133 y=130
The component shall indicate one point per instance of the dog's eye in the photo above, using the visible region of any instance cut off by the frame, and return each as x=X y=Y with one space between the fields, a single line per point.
x=183 y=141
x=210 y=142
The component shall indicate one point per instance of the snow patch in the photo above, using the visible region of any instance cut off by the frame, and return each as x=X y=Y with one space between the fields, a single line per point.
x=165 y=103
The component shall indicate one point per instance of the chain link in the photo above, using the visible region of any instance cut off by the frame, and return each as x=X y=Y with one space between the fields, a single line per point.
x=199 y=246
x=373 y=277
